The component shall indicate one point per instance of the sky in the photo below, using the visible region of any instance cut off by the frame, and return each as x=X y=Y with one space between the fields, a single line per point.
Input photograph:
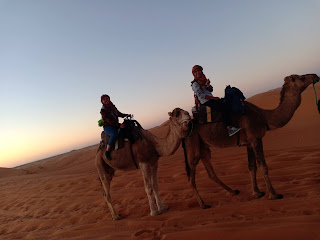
x=57 y=57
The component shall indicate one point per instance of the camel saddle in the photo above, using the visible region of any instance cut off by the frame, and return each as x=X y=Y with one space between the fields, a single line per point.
x=204 y=114
x=234 y=101
x=129 y=133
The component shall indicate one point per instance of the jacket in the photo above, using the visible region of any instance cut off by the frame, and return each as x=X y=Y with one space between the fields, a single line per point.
x=111 y=117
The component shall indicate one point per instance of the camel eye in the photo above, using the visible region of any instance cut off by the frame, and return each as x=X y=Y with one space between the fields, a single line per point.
x=176 y=113
x=303 y=78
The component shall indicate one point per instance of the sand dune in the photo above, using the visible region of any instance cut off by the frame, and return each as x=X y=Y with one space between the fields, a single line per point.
x=8 y=172
x=61 y=197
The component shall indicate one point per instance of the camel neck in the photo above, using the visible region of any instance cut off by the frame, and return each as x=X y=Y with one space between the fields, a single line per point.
x=280 y=116
x=164 y=146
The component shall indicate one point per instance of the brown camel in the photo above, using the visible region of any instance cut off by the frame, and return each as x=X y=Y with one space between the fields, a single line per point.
x=146 y=152
x=254 y=125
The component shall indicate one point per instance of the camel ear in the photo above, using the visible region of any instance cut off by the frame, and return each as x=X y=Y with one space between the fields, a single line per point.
x=287 y=79
x=170 y=114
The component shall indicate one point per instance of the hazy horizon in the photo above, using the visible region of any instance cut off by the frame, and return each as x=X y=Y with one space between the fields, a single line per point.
x=58 y=57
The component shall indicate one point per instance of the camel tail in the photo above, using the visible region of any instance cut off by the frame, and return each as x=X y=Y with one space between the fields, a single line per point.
x=186 y=159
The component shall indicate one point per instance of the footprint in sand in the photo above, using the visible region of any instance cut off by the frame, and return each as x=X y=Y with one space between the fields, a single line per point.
x=142 y=232
x=152 y=234
x=307 y=212
x=238 y=216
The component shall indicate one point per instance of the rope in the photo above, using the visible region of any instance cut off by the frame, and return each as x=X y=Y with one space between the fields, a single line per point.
x=185 y=152
x=186 y=159
x=190 y=130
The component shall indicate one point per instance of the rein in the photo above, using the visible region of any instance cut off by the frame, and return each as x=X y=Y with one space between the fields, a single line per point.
x=315 y=93
x=190 y=129
x=185 y=152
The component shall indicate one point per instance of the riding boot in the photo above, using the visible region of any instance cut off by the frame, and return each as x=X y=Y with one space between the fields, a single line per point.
x=108 y=156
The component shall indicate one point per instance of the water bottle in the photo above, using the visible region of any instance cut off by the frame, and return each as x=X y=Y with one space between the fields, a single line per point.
x=131 y=118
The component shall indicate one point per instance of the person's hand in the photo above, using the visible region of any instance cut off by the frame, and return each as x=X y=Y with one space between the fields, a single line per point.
x=202 y=81
x=122 y=126
x=209 y=87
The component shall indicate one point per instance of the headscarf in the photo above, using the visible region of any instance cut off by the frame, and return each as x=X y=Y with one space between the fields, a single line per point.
x=195 y=67
x=110 y=106
x=104 y=96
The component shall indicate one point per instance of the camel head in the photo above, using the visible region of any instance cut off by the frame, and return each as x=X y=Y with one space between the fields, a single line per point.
x=179 y=120
x=300 y=82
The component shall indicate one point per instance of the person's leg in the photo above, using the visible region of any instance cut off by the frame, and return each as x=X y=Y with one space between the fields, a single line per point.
x=228 y=115
x=218 y=105
x=113 y=134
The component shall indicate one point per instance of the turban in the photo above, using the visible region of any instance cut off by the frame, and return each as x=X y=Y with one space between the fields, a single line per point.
x=195 y=67
x=104 y=96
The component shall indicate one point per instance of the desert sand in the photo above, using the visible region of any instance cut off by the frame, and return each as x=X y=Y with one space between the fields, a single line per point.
x=61 y=197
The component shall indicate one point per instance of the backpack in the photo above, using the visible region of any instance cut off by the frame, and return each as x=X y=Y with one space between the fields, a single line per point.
x=234 y=98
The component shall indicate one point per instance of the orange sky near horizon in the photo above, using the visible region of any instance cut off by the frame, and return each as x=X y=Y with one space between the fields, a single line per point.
x=58 y=57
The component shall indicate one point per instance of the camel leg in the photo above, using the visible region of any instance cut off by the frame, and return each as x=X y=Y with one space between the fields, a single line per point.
x=154 y=169
x=206 y=160
x=252 y=165
x=147 y=178
x=258 y=151
x=193 y=166
x=105 y=176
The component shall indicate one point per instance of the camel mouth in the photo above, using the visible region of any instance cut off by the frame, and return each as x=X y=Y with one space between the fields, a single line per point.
x=182 y=121
x=310 y=78
x=185 y=118
x=185 y=126
x=316 y=78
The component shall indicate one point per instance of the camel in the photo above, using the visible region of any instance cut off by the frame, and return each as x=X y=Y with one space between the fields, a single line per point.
x=145 y=152
x=254 y=125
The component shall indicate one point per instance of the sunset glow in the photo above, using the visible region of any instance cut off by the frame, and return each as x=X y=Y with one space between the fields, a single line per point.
x=58 y=57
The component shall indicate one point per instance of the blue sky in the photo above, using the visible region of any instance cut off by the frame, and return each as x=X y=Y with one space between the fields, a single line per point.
x=58 y=57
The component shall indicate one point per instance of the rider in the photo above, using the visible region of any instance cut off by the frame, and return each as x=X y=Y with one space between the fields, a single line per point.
x=110 y=115
x=202 y=90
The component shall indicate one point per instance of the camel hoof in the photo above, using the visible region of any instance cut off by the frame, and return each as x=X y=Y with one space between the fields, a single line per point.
x=258 y=195
x=155 y=213
x=235 y=192
x=205 y=206
x=163 y=208
x=117 y=217
x=276 y=196
x=232 y=192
